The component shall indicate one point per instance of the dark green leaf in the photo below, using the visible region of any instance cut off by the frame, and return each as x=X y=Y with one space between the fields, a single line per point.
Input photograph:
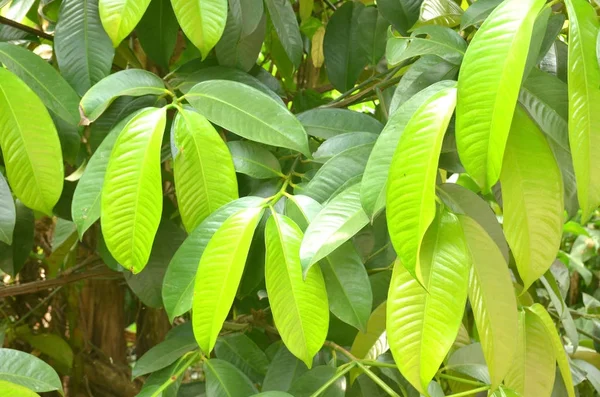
x=157 y=32
x=285 y=23
x=254 y=160
x=12 y=258
x=402 y=14
x=241 y=351
x=225 y=380
x=478 y=12
x=312 y=380
x=284 y=369
x=7 y=213
x=327 y=123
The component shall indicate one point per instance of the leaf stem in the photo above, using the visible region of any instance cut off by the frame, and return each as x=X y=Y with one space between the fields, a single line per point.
x=25 y=28
x=375 y=363
x=470 y=392
x=342 y=370
x=462 y=380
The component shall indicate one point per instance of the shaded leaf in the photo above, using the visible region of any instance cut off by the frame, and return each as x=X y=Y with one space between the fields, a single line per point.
x=241 y=351
x=254 y=160
x=285 y=23
x=225 y=380
x=7 y=213
x=157 y=32
x=327 y=123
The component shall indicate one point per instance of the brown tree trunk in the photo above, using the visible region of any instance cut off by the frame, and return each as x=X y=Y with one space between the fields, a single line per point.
x=152 y=326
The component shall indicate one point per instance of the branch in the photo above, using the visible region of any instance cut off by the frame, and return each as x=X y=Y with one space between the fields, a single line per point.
x=35 y=286
x=25 y=28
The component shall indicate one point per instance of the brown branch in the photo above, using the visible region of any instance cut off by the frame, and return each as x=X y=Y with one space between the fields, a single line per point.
x=36 y=286
x=25 y=28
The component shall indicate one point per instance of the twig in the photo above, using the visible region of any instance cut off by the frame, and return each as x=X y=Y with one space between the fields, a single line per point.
x=579 y=330
x=330 y=4
x=341 y=372
x=470 y=392
x=462 y=380
x=42 y=302
x=25 y=28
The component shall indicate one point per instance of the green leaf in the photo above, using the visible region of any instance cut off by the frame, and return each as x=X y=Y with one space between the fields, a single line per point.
x=237 y=48
x=340 y=143
x=559 y=351
x=558 y=302
x=12 y=258
x=53 y=346
x=166 y=382
x=488 y=87
x=241 y=351
x=131 y=202
x=372 y=34
x=26 y=370
x=478 y=12
x=178 y=284
x=120 y=17
x=249 y=113
x=284 y=369
x=204 y=175
x=225 y=380
x=402 y=14
x=311 y=381
x=493 y=302
x=157 y=32
x=285 y=23
x=584 y=96
x=534 y=366
x=254 y=160
x=327 y=123
x=302 y=210
x=202 y=22
x=7 y=212
x=272 y=394
x=337 y=171
x=11 y=390
x=335 y=224
x=411 y=180
x=532 y=194
x=43 y=79
x=299 y=305
x=30 y=145
x=131 y=82
x=85 y=208
x=178 y=341
x=83 y=49
x=440 y=12
x=373 y=342
x=219 y=274
x=252 y=12
x=373 y=188
x=441 y=41
x=422 y=324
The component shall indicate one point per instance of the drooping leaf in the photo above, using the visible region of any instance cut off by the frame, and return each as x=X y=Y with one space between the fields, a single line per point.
x=285 y=23
x=494 y=305
x=202 y=22
x=478 y=12
x=559 y=350
x=254 y=160
x=249 y=113
x=335 y=224
x=411 y=180
x=284 y=369
x=299 y=304
x=488 y=87
x=373 y=187
x=120 y=17
x=241 y=351
x=532 y=194
x=29 y=371
x=178 y=284
x=372 y=34
x=402 y=14
x=422 y=324
x=7 y=213
x=43 y=79
x=371 y=344
x=225 y=380
x=157 y=32
x=83 y=49
x=131 y=82
x=30 y=145
x=584 y=97
x=327 y=123
x=219 y=274
x=131 y=202
x=203 y=169
x=534 y=366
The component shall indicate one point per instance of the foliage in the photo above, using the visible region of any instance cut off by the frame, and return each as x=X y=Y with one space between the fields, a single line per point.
x=299 y=197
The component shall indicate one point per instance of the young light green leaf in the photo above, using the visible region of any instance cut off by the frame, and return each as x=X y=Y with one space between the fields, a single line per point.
x=534 y=366
x=202 y=22
x=249 y=113
x=131 y=202
x=559 y=351
x=411 y=180
x=584 y=102
x=29 y=371
x=285 y=23
x=299 y=304
x=7 y=213
x=374 y=182
x=335 y=224
x=488 y=87
x=178 y=284
x=131 y=82
x=422 y=324
x=43 y=79
x=83 y=50
x=12 y=390
x=402 y=14
x=157 y=32
x=204 y=175
x=225 y=380
x=241 y=351
x=254 y=160
x=532 y=194
x=494 y=305
x=327 y=123
x=219 y=274
x=373 y=342
x=302 y=210
x=30 y=145
x=120 y=17
x=440 y=12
